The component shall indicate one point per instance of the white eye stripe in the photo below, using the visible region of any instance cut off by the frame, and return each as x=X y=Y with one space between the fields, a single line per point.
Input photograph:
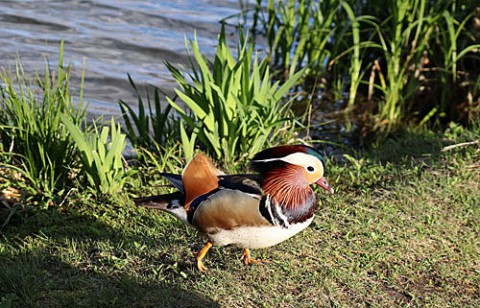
x=302 y=159
x=299 y=159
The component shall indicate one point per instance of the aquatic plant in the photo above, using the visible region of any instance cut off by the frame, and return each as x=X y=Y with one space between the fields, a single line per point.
x=234 y=109
x=152 y=129
x=395 y=63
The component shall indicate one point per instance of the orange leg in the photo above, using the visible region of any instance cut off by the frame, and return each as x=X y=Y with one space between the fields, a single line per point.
x=247 y=260
x=201 y=255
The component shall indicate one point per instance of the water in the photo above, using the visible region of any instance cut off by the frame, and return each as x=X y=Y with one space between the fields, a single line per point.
x=110 y=39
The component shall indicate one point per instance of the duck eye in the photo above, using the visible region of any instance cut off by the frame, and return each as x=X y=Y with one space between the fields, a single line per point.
x=310 y=169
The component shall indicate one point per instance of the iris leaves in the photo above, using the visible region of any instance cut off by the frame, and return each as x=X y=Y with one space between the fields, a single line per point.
x=235 y=108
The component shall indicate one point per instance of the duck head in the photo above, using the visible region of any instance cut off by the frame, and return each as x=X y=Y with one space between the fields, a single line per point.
x=298 y=165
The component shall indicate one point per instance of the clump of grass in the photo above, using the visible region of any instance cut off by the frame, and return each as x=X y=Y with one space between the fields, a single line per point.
x=101 y=156
x=35 y=143
x=47 y=148
x=235 y=108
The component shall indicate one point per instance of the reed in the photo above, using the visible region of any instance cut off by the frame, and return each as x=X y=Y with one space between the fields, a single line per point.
x=403 y=39
x=399 y=62
x=36 y=146
x=288 y=27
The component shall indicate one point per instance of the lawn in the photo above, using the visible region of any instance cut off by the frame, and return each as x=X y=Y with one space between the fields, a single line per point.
x=402 y=229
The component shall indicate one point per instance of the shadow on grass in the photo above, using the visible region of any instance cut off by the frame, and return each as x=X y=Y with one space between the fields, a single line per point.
x=52 y=259
x=37 y=280
x=408 y=144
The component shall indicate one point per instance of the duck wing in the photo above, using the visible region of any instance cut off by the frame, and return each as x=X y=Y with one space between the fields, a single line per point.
x=247 y=183
x=226 y=209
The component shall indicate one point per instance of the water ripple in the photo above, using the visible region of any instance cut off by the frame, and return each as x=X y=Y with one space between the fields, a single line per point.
x=111 y=38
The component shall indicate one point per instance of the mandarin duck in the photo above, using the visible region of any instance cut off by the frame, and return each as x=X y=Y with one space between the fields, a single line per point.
x=246 y=210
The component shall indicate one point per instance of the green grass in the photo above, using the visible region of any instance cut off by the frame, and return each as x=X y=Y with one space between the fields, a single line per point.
x=47 y=150
x=401 y=230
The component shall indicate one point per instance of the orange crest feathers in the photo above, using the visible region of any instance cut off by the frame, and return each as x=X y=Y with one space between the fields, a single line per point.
x=199 y=177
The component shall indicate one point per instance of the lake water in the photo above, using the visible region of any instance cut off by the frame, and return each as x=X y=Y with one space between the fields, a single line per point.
x=110 y=39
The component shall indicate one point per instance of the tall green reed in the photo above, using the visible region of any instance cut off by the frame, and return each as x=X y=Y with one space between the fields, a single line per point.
x=297 y=32
x=316 y=36
x=36 y=144
x=457 y=55
x=403 y=38
x=396 y=61
x=420 y=45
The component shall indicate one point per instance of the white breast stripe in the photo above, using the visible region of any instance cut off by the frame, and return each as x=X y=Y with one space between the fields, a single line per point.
x=268 y=205
x=280 y=216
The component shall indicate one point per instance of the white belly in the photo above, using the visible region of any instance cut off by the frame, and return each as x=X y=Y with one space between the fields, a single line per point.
x=256 y=237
